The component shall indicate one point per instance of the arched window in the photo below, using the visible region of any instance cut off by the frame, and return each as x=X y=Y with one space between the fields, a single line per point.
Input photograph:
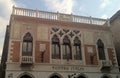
x=27 y=45
x=55 y=47
x=77 y=45
x=100 y=47
x=66 y=48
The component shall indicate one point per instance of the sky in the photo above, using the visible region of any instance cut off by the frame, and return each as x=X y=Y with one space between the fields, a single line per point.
x=94 y=8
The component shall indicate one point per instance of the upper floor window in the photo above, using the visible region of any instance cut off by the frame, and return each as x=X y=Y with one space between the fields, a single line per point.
x=100 y=46
x=55 y=47
x=77 y=45
x=67 y=54
x=27 y=45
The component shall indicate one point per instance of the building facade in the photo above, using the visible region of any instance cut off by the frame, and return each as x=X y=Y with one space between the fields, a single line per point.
x=115 y=29
x=5 y=53
x=55 y=45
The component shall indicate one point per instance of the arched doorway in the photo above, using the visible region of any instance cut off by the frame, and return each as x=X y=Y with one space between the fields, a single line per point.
x=81 y=77
x=25 y=76
x=105 y=77
x=54 y=76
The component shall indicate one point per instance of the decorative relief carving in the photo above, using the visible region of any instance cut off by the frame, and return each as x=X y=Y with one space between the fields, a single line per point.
x=55 y=29
x=71 y=34
x=66 y=30
x=61 y=33
x=65 y=17
x=76 y=31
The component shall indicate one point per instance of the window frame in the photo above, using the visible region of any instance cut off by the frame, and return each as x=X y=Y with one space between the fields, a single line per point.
x=101 y=51
x=27 y=45
x=56 y=52
x=67 y=52
x=77 y=46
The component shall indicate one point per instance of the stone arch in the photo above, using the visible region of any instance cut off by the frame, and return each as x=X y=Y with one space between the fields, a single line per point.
x=27 y=32
x=55 y=75
x=52 y=35
x=82 y=76
x=72 y=39
x=26 y=75
x=64 y=37
x=102 y=39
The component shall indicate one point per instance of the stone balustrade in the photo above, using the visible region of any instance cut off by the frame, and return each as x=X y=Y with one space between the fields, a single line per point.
x=58 y=16
x=26 y=59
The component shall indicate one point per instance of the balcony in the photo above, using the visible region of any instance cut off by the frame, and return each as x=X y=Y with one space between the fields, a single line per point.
x=26 y=60
x=105 y=65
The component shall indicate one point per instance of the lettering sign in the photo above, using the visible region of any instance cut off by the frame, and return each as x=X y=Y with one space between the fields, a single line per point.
x=68 y=68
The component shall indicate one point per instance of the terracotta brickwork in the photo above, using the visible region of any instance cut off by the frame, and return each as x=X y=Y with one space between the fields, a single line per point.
x=88 y=55
x=38 y=54
x=15 y=56
x=111 y=55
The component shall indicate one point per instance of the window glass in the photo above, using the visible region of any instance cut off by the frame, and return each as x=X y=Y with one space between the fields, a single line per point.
x=29 y=48
x=101 y=52
x=27 y=44
x=24 y=48
x=77 y=46
x=66 y=48
x=55 y=47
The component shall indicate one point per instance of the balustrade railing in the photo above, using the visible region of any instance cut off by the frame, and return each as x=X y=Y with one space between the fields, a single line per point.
x=26 y=59
x=58 y=16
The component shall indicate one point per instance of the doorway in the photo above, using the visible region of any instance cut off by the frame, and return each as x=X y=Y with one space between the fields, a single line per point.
x=81 y=77
x=105 y=77
x=25 y=76
x=54 y=76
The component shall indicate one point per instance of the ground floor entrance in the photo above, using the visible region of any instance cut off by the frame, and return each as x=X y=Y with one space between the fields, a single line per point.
x=55 y=76
x=25 y=76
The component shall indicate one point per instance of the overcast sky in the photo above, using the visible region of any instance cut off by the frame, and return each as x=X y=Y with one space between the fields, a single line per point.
x=95 y=8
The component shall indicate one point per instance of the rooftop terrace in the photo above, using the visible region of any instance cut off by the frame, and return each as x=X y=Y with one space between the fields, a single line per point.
x=58 y=16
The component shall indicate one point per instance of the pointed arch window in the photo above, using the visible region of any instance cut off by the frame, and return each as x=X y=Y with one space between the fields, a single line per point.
x=66 y=48
x=27 y=45
x=100 y=46
x=56 y=48
x=77 y=45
